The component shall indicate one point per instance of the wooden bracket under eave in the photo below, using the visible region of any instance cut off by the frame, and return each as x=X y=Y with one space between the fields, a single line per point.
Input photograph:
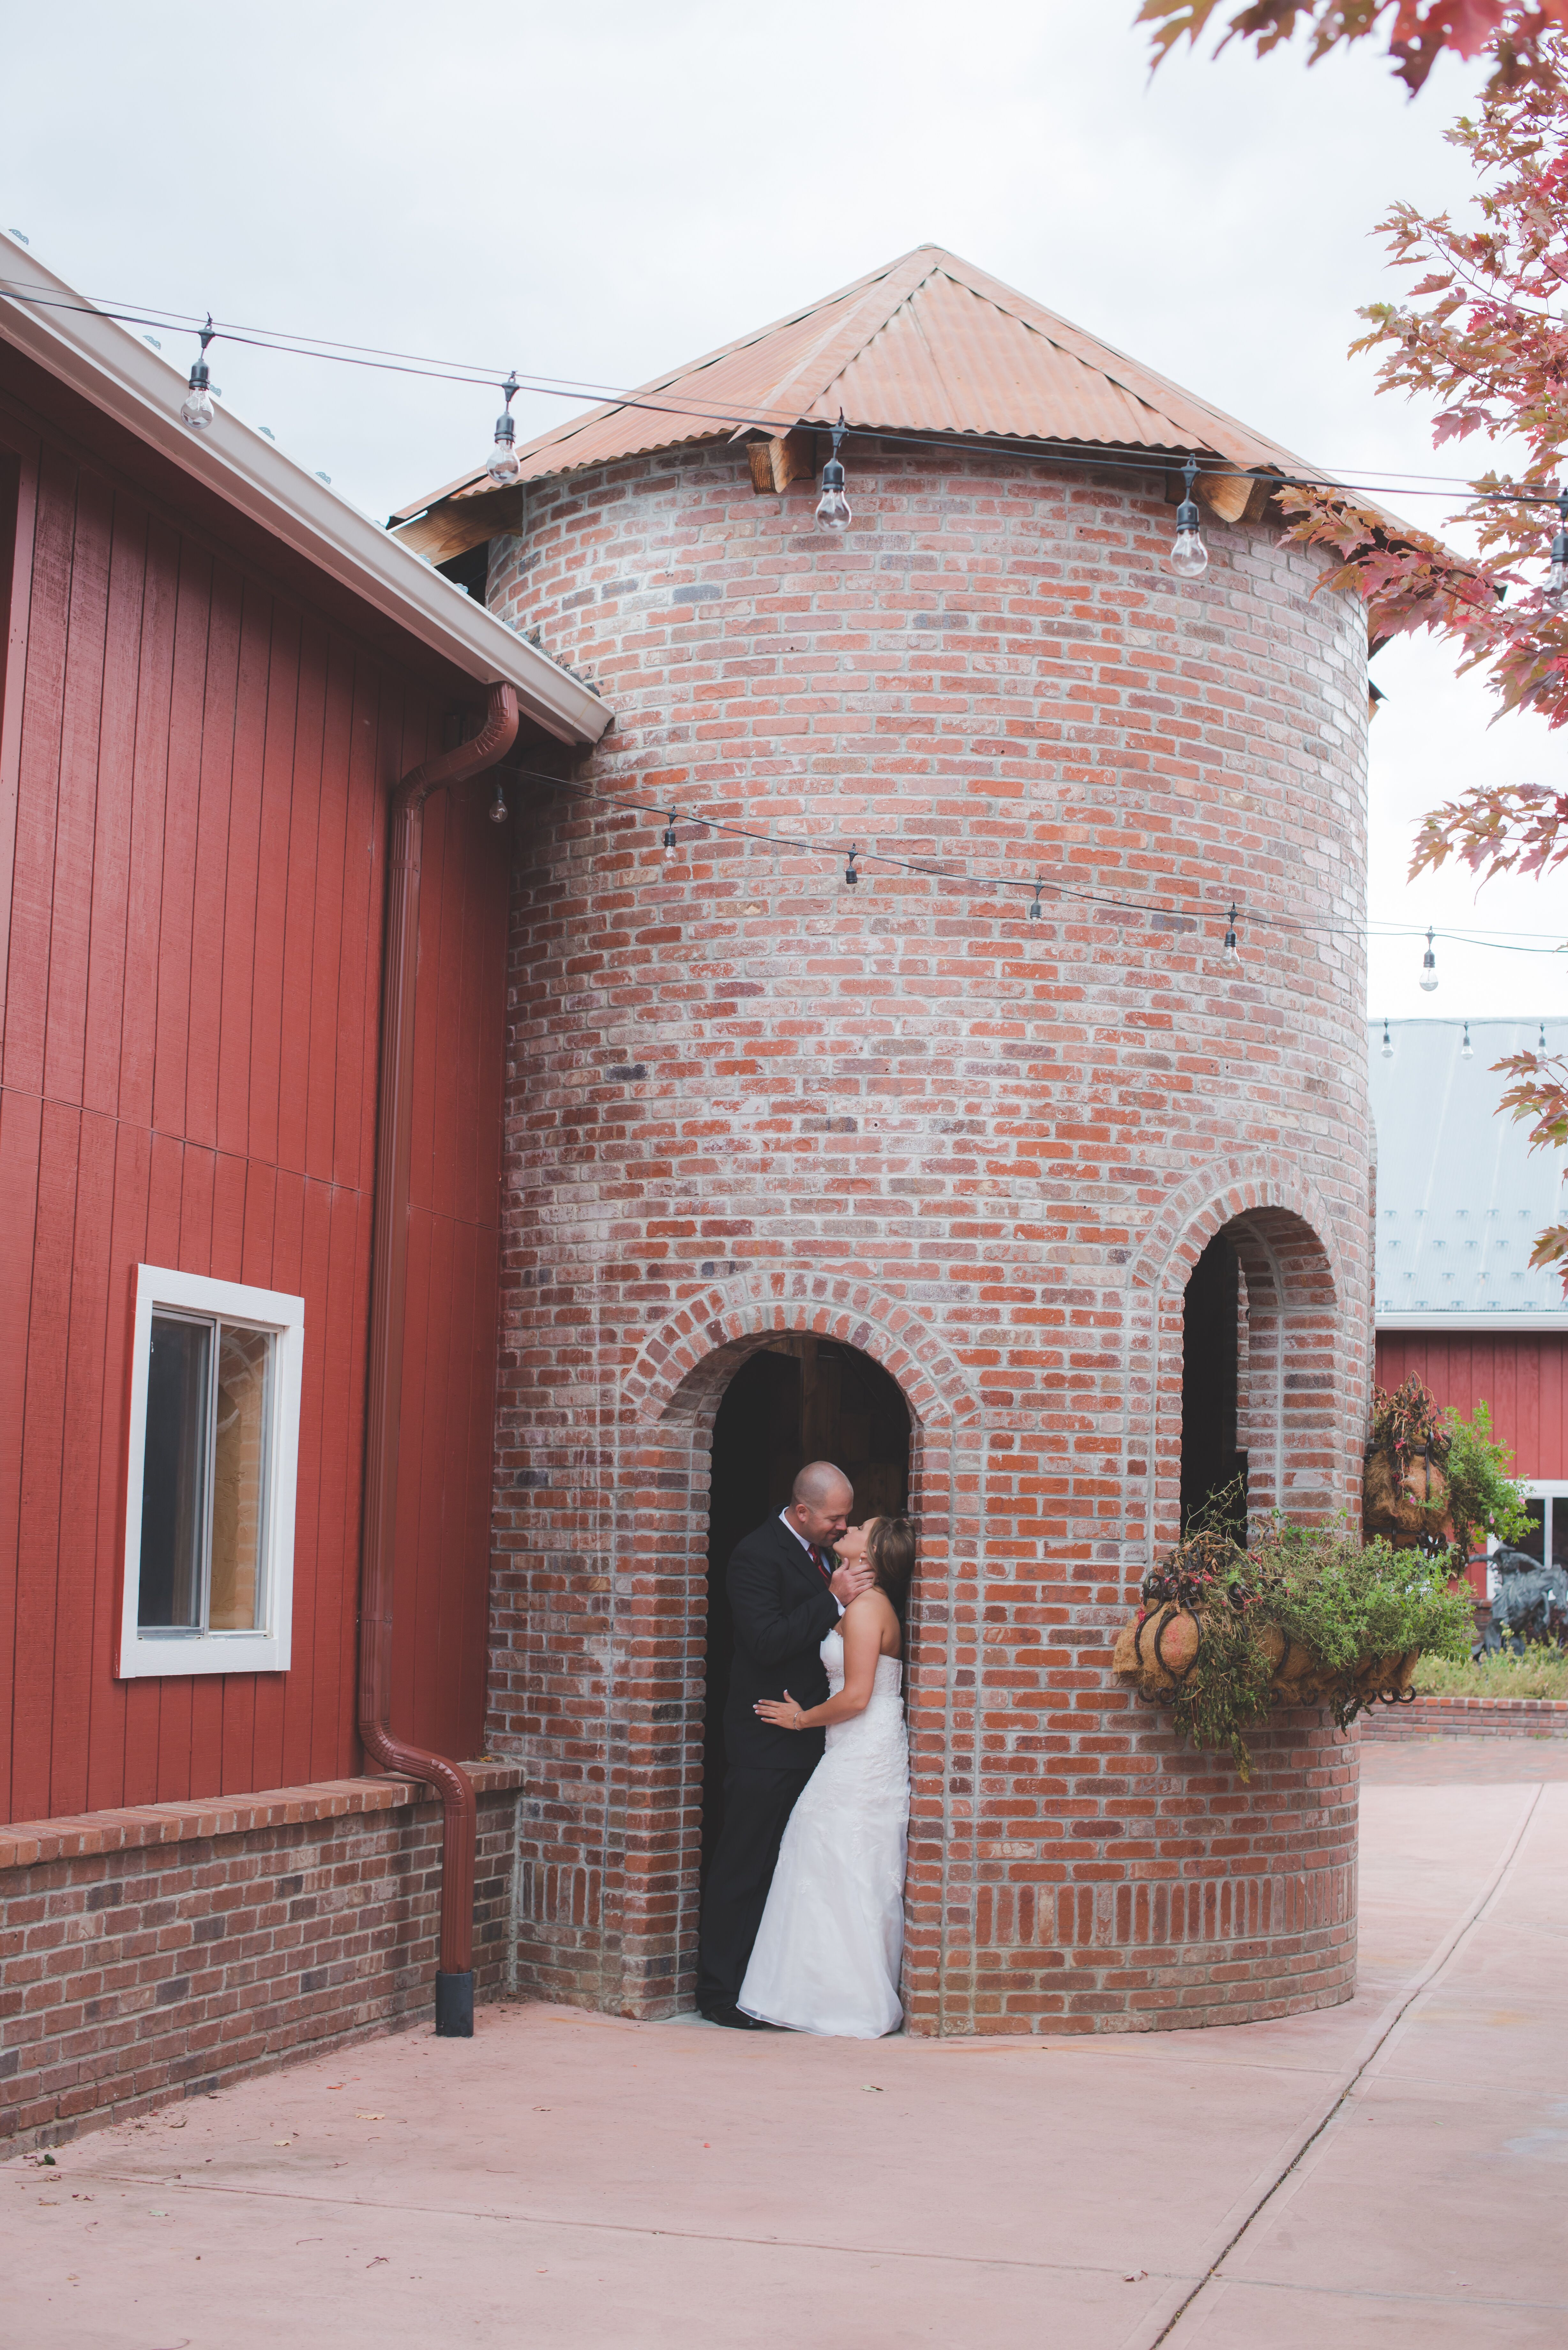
x=457 y=525
x=776 y=463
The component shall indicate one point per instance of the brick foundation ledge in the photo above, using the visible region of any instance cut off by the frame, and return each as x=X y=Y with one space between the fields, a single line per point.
x=167 y=1949
x=1469 y=1717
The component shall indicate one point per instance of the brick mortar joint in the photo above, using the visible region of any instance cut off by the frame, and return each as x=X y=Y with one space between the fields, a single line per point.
x=27 y=1844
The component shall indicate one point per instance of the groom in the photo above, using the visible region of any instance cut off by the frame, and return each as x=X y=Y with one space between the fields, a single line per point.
x=787 y=1592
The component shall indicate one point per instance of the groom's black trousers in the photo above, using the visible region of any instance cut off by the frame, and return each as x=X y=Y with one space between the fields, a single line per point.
x=757 y=1805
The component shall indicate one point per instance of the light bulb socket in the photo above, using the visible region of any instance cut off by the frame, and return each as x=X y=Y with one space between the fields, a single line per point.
x=832 y=476
x=1187 y=515
x=200 y=376
x=669 y=840
x=851 y=878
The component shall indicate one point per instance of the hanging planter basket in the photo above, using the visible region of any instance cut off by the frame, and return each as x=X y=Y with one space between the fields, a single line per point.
x=1221 y=1639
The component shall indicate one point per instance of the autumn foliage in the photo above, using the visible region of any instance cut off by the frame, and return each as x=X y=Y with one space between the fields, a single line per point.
x=1418 y=31
x=1482 y=336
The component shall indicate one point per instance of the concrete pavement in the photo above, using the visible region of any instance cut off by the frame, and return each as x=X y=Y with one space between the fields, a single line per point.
x=1393 y=2165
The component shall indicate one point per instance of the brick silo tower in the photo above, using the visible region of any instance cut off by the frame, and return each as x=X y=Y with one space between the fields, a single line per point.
x=1022 y=1203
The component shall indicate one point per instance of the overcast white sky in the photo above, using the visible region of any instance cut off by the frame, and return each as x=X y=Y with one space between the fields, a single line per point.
x=596 y=193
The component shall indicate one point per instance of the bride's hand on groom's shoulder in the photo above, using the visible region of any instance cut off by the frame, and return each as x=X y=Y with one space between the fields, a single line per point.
x=851 y=1581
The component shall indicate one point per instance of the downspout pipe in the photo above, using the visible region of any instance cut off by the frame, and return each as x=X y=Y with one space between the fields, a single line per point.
x=389 y=1277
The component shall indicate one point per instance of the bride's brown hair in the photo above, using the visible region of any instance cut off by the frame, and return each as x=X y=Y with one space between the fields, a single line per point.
x=890 y=1548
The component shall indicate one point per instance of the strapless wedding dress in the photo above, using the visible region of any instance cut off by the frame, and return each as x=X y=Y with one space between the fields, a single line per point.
x=831 y=1939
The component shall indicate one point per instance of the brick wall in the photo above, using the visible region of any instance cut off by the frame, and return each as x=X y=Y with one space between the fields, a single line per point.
x=1469 y=1717
x=986 y=1150
x=161 y=1950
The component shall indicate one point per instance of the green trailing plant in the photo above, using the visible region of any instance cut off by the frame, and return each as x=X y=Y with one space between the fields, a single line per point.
x=1350 y=1606
x=1350 y=1603
x=1484 y=1498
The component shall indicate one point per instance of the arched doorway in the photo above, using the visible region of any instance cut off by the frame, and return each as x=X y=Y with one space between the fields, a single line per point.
x=797 y=1399
x=1213 y=1313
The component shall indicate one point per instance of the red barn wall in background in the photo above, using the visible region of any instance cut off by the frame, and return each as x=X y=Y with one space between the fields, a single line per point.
x=1522 y=1375
x=195 y=771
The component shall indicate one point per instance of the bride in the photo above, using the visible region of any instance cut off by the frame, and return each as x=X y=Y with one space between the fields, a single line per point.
x=828 y=1951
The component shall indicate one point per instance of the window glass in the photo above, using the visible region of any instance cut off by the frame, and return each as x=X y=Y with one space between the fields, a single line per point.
x=1534 y=1542
x=239 y=1453
x=174 y=1474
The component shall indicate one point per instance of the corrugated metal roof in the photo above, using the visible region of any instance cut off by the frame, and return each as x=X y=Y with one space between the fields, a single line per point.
x=1461 y=1195
x=928 y=344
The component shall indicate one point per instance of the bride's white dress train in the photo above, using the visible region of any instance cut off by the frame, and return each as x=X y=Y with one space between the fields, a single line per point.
x=832 y=1937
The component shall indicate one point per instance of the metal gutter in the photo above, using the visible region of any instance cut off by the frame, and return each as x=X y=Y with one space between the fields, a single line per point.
x=1498 y=1323
x=123 y=376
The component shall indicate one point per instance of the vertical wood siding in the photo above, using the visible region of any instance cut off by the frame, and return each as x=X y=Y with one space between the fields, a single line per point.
x=194 y=780
x=1522 y=1376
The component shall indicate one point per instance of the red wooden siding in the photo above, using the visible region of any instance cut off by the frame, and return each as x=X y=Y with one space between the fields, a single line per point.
x=1522 y=1375
x=194 y=780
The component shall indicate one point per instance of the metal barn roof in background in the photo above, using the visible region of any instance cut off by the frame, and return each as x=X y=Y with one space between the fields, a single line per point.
x=1461 y=1195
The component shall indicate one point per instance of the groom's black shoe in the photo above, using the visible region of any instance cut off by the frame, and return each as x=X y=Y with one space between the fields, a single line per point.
x=732 y=2018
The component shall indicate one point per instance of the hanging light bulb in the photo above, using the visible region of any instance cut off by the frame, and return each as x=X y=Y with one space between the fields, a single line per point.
x=196 y=408
x=669 y=840
x=498 y=810
x=1557 y=577
x=1542 y=1047
x=1188 y=557
x=1034 y=908
x=502 y=464
x=1388 y=1043
x=1467 y=1050
x=1231 y=955
x=1428 y=967
x=832 y=508
x=850 y=875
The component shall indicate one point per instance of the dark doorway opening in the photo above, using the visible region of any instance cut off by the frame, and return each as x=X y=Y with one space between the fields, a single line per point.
x=1210 y=1463
x=799 y=1398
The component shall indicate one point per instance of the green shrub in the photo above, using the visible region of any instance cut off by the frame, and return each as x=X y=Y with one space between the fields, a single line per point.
x=1349 y=1601
x=1484 y=1498
x=1542 y=1671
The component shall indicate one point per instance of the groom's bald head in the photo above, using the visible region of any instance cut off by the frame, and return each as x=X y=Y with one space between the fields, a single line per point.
x=820 y=1501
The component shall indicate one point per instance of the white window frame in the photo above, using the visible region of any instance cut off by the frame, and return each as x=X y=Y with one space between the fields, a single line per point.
x=143 y=1652
x=1553 y=1491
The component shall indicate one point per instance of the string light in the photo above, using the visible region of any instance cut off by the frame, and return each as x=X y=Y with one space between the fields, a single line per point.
x=832 y=508
x=1379 y=483
x=502 y=464
x=1428 y=967
x=851 y=878
x=1188 y=557
x=196 y=408
x=669 y=840
x=1034 y=903
x=1557 y=577
x=1388 y=1043
x=1231 y=955
x=1467 y=1050
x=1542 y=1046
x=498 y=810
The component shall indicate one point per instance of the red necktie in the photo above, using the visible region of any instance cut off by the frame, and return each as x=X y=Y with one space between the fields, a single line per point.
x=820 y=1564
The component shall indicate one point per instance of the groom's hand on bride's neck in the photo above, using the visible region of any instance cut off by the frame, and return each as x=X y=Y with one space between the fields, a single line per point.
x=851 y=1581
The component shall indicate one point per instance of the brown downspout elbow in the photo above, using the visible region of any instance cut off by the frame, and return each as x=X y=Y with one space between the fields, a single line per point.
x=389 y=1273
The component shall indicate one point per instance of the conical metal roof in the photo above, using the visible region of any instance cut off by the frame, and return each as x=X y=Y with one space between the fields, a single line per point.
x=928 y=344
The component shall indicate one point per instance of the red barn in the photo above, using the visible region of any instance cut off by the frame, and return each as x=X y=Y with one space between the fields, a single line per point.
x=1461 y=1199
x=216 y=676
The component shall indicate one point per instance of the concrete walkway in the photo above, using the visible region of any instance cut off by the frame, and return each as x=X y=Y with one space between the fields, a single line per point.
x=1393 y=2169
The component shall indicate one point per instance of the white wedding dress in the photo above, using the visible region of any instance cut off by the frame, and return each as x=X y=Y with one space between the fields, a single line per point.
x=829 y=1952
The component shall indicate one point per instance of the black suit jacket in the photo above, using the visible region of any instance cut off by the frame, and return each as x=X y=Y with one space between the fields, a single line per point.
x=783 y=1611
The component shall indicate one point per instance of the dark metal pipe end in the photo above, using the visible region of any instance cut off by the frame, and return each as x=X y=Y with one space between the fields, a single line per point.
x=454 y=2006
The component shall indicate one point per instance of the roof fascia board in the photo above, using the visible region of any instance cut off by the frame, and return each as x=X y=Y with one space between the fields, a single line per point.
x=122 y=377
x=1536 y=1320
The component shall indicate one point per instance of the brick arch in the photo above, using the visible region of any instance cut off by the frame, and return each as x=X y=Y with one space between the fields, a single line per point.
x=1294 y=1406
x=670 y=1395
x=708 y=1326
